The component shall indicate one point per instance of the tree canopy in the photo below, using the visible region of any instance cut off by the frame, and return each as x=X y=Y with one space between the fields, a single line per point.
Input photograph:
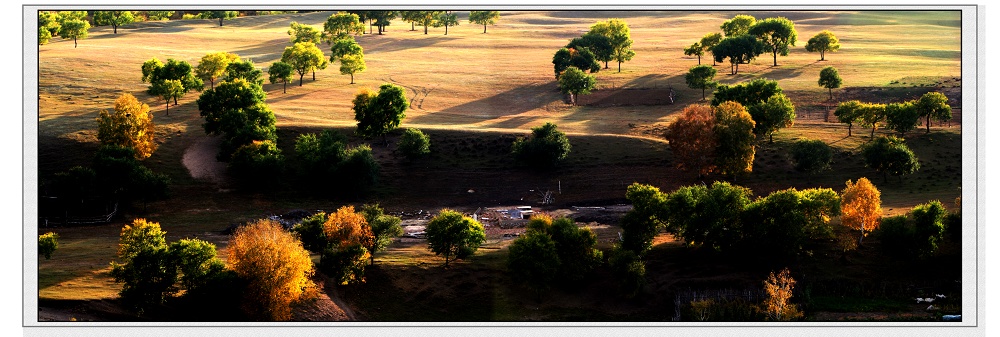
x=454 y=235
x=156 y=73
x=848 y=113
x=582 y=59
x=708 y=42
x=701 y=77
x=823 y=42
x=692 y=139
x=341 y=25
x=695 y=50
x=776 y=34
x=597 y=44
x=738 y=25
x=213 y=65
x=74 y=29
x=775 y=113
x=221 y=15
x=381 y=112
x=274 y=265
x=734 y=131
x=890 y=155
x=830 y=79
x=484 y=18
x=303 y=33
x=861 y=207
x=574 y=82
x=113 y=19
x=280 y=72
x=740 y=49
x=352 y=64
x=236 y=110
x=546 y=147
x=446 y=19
x=130 y=125
x=304 y=57
x=617 y=32
x=933 y=105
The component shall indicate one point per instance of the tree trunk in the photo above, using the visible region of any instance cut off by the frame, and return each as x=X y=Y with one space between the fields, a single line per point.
x=822 y=55
x=702 y=94
x=74 y=42
x=314 y=74
x=619 y=66
x=300 y=78
x=775 y=58
x=770 y=138
x=928 y=123
x=445 y=29
x=831 y=93
x=352 y=78
x=212 y=81
x=220 y=22
x=605 y=64
x=114 y=28
x=168 y=107
x=849 y=125
x=425 y=29
x=484 y=28
x=873 y=133
x=175 y=100
x=284 y=87
x=699 y=60
x=413 y=26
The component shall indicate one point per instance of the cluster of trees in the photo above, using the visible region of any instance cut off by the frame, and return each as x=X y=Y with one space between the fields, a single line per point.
x=347 y=239
x=67 y=25
x=713 y=139
x=235 y=109
x=553 y=251
x=606 y=41
x=900 y=117
x=172 y=80
x=919 y=233
x=328 y=164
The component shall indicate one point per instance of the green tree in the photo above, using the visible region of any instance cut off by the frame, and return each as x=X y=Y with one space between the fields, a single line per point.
x=414 y=143
x=379 y=113
x=47 y=244
x=351 y=64
x=775 y=113
x=196 y=262
x=426 y=18
x=574 y=82
x=304 y=57
x=236 y=110
x=830 y=79
x=344 y=47
x=709 y=216
x=454 y=235
x=412 y=17
x=629 y=269
x=154 y=71
x=383 y=227
x=383 y=19
x=848 y=113
x=546 y=147
x=484 y=18
x=870 y=115
x=259 y=158
x=738 y=25
x=310 y=232
x=701 y=77
x=739 y=49
x=901 y=117
x=582 y=59
x=213 y=66
x=695 y=50
x=320 y=155
x=159 y=15
x=303 y=33
x=113 y=19
x=221 y=15
x=776 y=34
x=734 y=129
x=641 y=224
x=928 y=226
x=445 y=19
x=167 y=89
x=890 y=155
x=74 y=29
x=597 y=44
x=823 y=42
x=341 y=25
x=811 y=155
x=245 y=70
x=617 y=32
x=748 y=93
x=933 y=105
x=359 y=171
x=280 y=72
x=708 y=42
x=143 y=267
x=534 y=261
x=48 y=26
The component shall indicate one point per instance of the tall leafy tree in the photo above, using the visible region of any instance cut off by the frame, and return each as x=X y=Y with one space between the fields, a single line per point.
x=426 y=18
x=142 y=265
x=708 y=42
x=692 y=139
x=695 y=50
x=245 y=70
x=901 y=117
x=280 y=72
x=848 y=113
x=581 y=59
x=829 y=78
x=383 y=227
x=775 y=113
x=237 y=111
x=412 y=17
x=352 y=64
x=823 y=42
x=130 y=125
x=738 y=25
x=113 y=19
x=734 y=130
x=933 y=105
x=414 y=143
x=701 y=77
x=213 y=66
x=617 y=32
x=890 y=155
x=597 y=44
x=384 y=18
x=349 y=235
x=534 y=261
x=341 y=25
x=709 y=216
x=304 y=57
x=381 y=112
x=446 y=19
x=747 y=93
x=74 y=29
x=303 y=33
x=275 y=267
x=167 y=89
x=155 y=72
x=776 y=34
x=344 y=47
x=454 y=235
x=740 y=49
x=484 y=18
x=221 y=15
x=861 y=207
x=870 y=115
x=574 y=82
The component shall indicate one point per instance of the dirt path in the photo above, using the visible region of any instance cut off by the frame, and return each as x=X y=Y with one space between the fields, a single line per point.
x=199 y=159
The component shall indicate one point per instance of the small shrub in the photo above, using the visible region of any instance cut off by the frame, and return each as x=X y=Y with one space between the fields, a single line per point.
x=414 y=143
x=811 y=156
x=544 y=149
x=359 y=171
x=47 y=244
x=896 y=236
x=629 y=270
x=779 y=291
x=345 y=264
x=259 y=161
x=310 y=232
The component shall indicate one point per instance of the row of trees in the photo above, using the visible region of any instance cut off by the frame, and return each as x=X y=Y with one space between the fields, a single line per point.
x=900 y=117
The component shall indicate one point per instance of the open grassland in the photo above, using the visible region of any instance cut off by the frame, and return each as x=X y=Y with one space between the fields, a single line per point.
x=475 y=93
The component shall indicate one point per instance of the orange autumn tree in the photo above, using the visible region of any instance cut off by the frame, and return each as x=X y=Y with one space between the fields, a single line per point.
x=779 y=291
x=861 y=207
x=347 y=233
x=275 y=266
x=692 y=140
x=130 y=125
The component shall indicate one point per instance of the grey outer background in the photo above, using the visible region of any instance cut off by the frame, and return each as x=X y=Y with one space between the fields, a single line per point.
x=975 y=321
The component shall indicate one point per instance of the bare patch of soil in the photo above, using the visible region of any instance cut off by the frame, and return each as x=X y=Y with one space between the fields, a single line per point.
x=199 y=159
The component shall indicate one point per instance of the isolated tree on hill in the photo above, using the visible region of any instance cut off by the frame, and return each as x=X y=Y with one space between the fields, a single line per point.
x=341 y=25
x=275 y=267
x=738 y=25
x=775 y=113
x=245 y=70
x=304 y=57
x=484 y=18
x=597 y=44
x=582 y=59
x=692 y=139
x=446 y=19
x=280 y=72
x=933 y=105
x=708 y=42
x=236 y=110
x=74 y=29
x=823 y=42
x=130 y=125
x=383 y=227
x=734 y=131
x=811 y=155
x=574 y=82
x=546 y=147
x=848 y=113
x=113 y=19
x=695 y=50
x=379 y=113
x=303 y=33
x=830 y=79
x=901 y=117
x=701 y=77
x=352 y=64
x=776 y=34
x=739 y=50
x=861 y=207
x=617 y=32
x=454 y=235
x=890 y=155
x=221 y=15
x=167 y=89
x=213 y=66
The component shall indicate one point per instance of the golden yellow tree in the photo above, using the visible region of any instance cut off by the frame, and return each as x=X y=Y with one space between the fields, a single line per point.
x=346 y=227
x=861 y=207
x=130 y=125
x=348 y=234
x=275 y=266
x=734 y=136
x=779 y=291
